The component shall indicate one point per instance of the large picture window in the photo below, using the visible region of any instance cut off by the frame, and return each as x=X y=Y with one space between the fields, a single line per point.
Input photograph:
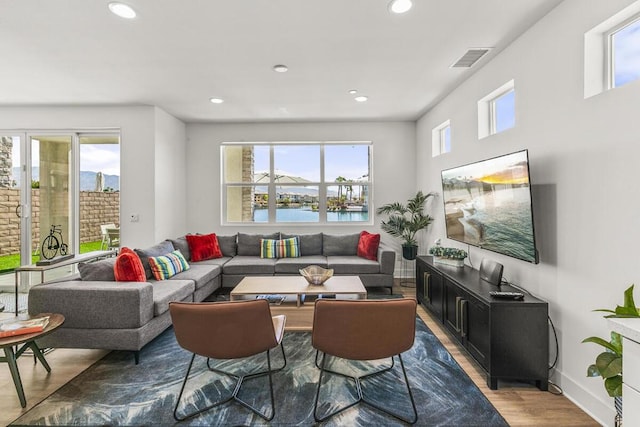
x=296 y=182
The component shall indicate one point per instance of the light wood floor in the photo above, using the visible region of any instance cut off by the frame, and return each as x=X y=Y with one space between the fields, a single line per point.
x=38 y=384
x=520 y=404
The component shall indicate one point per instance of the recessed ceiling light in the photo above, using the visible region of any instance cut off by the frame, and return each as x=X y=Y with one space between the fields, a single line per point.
x=400 y=6
x=216 y=100
x=353 y=91
x=280 y=68
x=122 y=10
x=361 y=98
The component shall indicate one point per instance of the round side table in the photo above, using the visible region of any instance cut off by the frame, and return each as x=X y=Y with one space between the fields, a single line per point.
x=24 y=342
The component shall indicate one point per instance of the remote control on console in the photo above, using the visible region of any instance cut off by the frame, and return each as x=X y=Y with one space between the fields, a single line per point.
x=507 y=295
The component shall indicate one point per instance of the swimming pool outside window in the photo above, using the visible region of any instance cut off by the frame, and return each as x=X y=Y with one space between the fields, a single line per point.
x=296 y=182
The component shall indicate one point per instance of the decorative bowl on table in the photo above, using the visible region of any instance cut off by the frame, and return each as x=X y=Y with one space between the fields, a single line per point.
x=315 y=274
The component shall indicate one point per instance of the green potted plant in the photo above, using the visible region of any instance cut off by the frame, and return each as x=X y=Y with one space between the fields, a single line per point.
x=405 y=220
x=449 y=256
x=608 y=364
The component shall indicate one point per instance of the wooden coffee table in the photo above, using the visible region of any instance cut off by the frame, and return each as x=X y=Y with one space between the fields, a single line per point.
x=298 y=305
x=27 y=341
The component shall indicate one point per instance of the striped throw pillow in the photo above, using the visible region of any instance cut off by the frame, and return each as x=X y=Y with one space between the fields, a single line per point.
x=289 y=248
x=268 y=248
x=166 y=266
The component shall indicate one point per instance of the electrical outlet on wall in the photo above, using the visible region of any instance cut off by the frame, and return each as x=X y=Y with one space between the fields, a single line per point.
x=135 y=217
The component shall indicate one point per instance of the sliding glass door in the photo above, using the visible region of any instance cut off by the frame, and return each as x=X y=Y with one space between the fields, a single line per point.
x=14 y=205
x=99 y=191
x=57 y=190
x=52 y=216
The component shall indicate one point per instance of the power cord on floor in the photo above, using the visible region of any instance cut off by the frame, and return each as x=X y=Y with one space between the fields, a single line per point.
x=558 y=390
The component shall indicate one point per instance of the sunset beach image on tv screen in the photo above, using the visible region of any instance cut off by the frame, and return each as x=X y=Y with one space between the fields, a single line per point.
x=488 y=204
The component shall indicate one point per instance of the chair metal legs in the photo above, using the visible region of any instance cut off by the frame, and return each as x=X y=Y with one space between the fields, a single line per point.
x=361 y=397
x=257 y=374
x=234 y=395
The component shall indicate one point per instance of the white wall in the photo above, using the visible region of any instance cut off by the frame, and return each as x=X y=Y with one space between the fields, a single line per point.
x=393 y=172
x=137 y=125
x=583 y=155
x=170 y=176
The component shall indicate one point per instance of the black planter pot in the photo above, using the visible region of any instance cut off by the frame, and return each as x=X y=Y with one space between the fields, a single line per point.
x=409 y=252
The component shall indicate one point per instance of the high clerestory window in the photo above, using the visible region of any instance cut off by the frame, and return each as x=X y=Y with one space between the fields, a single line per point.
x=441 y=139
x=612 y=52
x=497 y=110
x=623 y=52
x=296 y=182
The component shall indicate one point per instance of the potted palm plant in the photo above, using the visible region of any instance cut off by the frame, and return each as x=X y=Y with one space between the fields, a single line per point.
x=405 y=220
x=608 y=364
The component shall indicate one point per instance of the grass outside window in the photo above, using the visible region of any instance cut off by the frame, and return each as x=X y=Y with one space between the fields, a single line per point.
x=9 y=262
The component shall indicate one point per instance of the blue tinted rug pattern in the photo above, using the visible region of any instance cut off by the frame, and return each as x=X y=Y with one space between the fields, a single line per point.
x=115 y=391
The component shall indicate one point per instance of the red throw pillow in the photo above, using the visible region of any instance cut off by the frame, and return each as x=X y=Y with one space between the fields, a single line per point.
x=128 y=267
x=203 y=246
x=368 y=246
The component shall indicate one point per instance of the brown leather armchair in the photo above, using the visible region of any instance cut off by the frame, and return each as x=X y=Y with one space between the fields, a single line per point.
x=363 y=330
x=228 y=330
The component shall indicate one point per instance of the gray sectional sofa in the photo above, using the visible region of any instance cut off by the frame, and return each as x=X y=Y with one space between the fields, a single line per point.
x=105 y=314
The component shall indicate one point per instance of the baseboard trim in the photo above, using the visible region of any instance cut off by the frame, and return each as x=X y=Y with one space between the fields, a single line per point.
x=599 y=410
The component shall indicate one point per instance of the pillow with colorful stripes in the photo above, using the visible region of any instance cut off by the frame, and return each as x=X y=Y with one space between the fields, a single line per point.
x=289 y=248
x=268 y=248
x=166 y=266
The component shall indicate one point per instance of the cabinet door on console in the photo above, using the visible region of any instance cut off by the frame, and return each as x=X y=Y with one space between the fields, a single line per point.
x=453 y=297
x=421 y=276
x=429 y=290
x=476 y=335
x=468 y=319
x=436 y=293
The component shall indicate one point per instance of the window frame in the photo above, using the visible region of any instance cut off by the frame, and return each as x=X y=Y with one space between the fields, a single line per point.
x=438 y=139
x=609 y=50
x=322 y=185
x=598 y=72
x=493 y=111
x=487 y=112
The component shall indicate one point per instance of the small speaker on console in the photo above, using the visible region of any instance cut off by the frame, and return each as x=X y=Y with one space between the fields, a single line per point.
x=491 y=271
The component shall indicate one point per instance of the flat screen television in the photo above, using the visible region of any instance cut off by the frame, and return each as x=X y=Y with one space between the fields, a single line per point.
x=488 y=204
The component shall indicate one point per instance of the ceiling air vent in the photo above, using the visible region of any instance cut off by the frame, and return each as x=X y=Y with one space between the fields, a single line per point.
x=471 y=57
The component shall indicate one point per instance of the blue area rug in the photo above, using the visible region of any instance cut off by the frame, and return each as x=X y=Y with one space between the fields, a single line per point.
x=114 y=391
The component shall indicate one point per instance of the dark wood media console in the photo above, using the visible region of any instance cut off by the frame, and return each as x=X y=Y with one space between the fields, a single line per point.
x=508 y=338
